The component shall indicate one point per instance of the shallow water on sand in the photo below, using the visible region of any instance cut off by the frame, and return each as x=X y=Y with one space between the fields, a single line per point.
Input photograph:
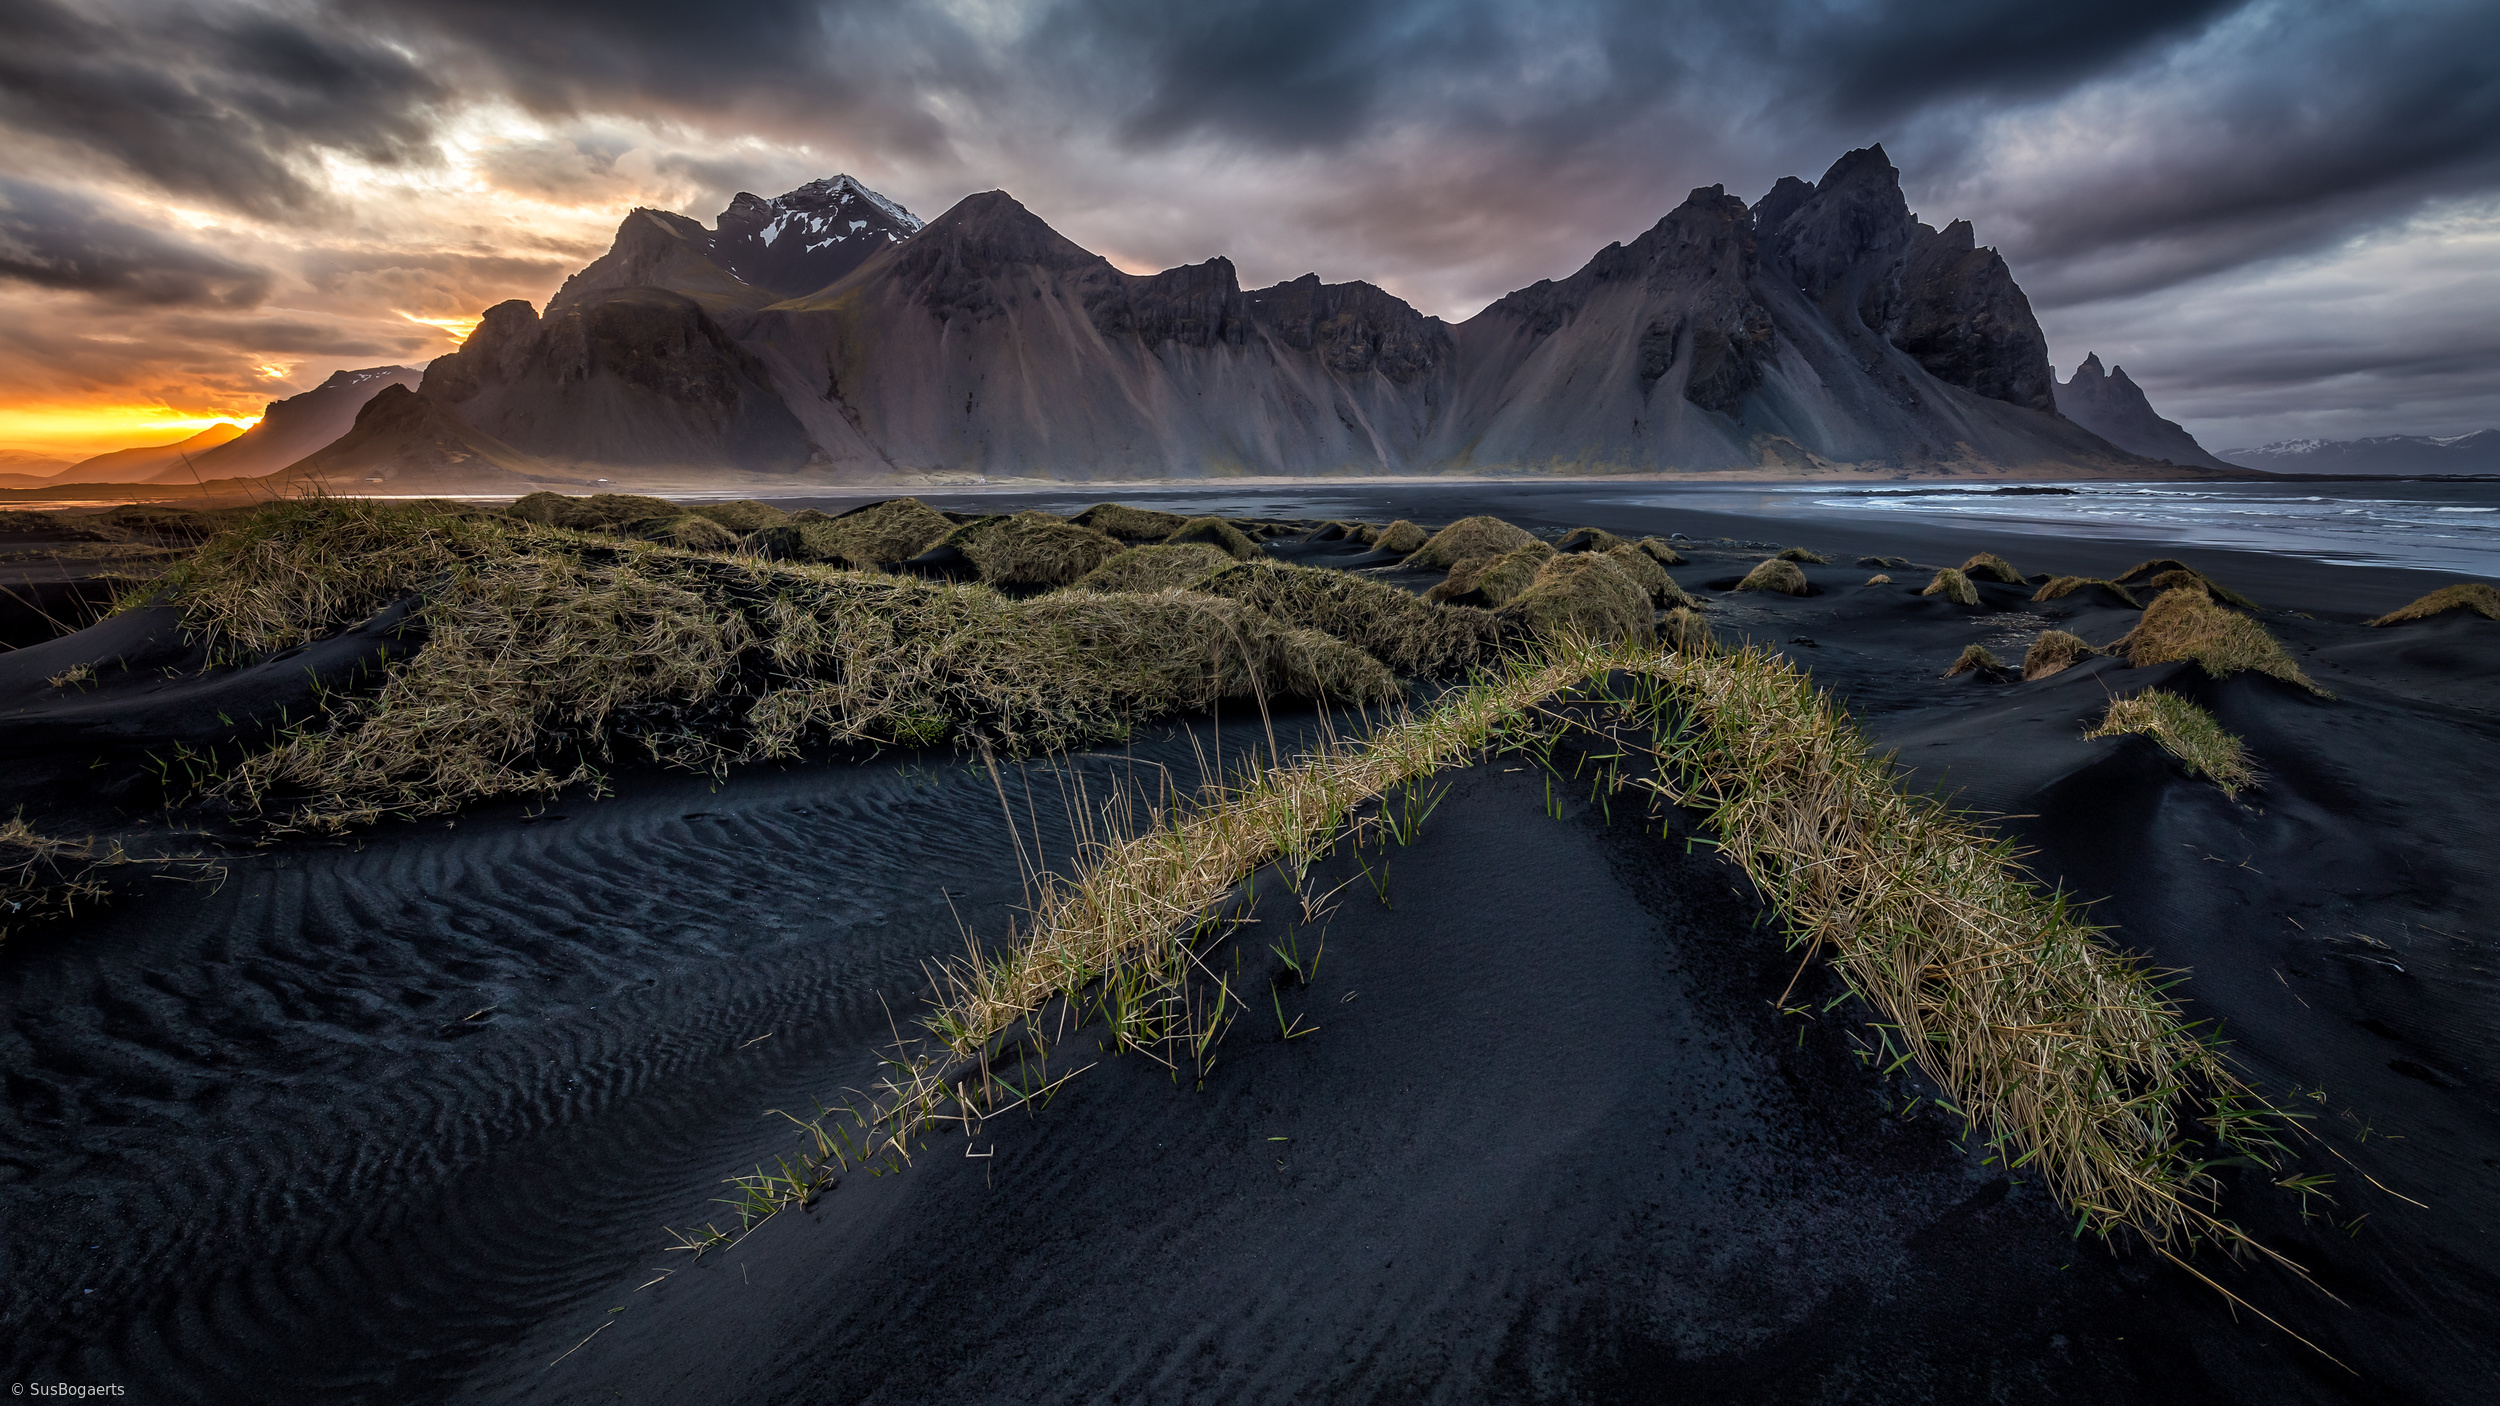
x=2427 y=526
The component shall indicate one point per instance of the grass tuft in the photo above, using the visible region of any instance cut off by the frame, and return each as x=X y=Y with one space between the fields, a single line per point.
x=1030 y=549
x=690 y=531
x=1130 y=524
x=2160 y=574
x=1467 y=537
x=2476 y=596
x=2054 y=652
x=1953 y=586
x=1974 y=658
x=2060 y=587
x=2185 y=623
x=1401 y=538
x=743 y=515
x=1590 y=539
x=1586 y=596
x=1657 y=550
x=43 y=879
x=2186 y=732
x=1879 y=579
x=1415 y=638
x=1992 y=567
x=1214 y=532
x=1685 y=632
x=1801 y=554
x=1492 y=580
x=1652 y=577
x=1777 y=574
x=1156 y=568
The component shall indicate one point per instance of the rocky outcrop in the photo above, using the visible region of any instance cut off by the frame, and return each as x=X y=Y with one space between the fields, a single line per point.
x=1960 y=315
x=2114 y=407
x=1353 y=328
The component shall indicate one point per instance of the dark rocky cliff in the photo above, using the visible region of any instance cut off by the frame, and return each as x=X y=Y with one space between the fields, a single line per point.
x=2114 y=407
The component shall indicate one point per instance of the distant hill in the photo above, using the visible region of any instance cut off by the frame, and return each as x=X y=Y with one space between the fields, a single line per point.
x=142 y=464
x=2477 y=453
x=827 y=335
x=21 y=468
x=292 y=428
x=2115 y=408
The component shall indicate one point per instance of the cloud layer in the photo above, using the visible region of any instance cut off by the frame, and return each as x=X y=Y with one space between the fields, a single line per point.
x=2270 y=212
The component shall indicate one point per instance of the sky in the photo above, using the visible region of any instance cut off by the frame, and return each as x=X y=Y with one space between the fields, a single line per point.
x=2282 y=218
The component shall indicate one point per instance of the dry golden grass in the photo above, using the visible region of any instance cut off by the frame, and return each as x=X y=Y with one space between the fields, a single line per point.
x=1587 y=595
x=1801 y=554
x=1414 y=638
x=1953 y=586
x=1467 y=537
x=598 y=512
x=1649 y=576
x=2152 y=574
x=1992 y=567
x=1590 y=539
x=43 y=879
x=2054 y=652
x=2186 y=732
x=1030 y=549
x=691 y=531
x=1974 y=658
x=2058 y=588
x=2185 y=623
x=1492 y=580
x=1657 y=550
x=1130 y=524
x=299 y=569
x=1214 y=532
x=1156 y=568
x=540 y=667
x=2476 y=596
x=1401 y=538
x=1777 y=574
x=1685 y=632
x=2068 y=1056
x=1879 y=579
x=742 y=515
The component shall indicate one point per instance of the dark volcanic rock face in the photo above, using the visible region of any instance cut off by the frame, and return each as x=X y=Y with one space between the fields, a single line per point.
x=956 y=264
x=1844 y=244
x=1354 y=328
x=1196 y=305
x=794 y=244
x=1960 y=314
x=2114 y=407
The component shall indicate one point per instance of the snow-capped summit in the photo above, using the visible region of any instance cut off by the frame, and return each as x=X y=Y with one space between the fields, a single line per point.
x=796 y=243
x=2476 y=453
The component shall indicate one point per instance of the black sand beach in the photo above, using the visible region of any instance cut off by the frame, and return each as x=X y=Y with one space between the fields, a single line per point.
x=400 y=1116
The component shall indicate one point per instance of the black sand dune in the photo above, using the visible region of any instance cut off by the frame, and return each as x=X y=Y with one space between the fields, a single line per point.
x=399 y=1118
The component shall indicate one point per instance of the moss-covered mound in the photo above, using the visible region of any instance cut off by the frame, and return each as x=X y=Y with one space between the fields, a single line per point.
x=1801 y=554
x=2186 y=623
x=1493 y=580
x=877 y=535
x=1400 y=538
x=1657 y=550
x=2060 y=587
x=1777 y=574
x=1586 y=596
x=599 y=512
x=2053 y=652
x=1975 y=658
x=691 y=531
x=1590 y=539
x=1413 y=637
x=1467 y=537
x=1989 y=566
x=1156 y=568
x=743 y=515
x=2476 y=596
x=1130 y=524
x=1953 y=586
x=2186 y=732
x=1214 y=532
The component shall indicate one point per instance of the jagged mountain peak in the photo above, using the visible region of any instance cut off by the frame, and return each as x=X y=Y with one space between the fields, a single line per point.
x=2114 y=407
x=803 y=239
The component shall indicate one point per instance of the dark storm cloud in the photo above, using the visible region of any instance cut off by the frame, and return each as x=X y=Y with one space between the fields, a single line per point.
x=55 y=239
x=208 y=106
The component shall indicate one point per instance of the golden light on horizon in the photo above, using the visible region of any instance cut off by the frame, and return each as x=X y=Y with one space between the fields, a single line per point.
x=456 y=328
x=80 y=430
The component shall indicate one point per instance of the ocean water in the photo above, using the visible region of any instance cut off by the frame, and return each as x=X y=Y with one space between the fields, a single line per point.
x=2450 y=527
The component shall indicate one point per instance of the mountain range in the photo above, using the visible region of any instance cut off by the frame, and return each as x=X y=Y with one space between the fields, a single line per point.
x=828 y=335
x=2477 y=453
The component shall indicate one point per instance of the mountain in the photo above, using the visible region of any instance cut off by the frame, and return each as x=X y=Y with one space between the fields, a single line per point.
x=141 y=465
x=21 y=468
x=403 y=443
x=794 y=244
x=294 y=427
x=825 y=335
x=2113 y=407
x=2477 y=453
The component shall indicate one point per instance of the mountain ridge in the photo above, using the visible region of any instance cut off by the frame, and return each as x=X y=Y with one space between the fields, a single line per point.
x=1824 y=329
x=2111 y=405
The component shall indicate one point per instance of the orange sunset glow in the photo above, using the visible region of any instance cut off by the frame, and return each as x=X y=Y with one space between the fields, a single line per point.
x=75 y=431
